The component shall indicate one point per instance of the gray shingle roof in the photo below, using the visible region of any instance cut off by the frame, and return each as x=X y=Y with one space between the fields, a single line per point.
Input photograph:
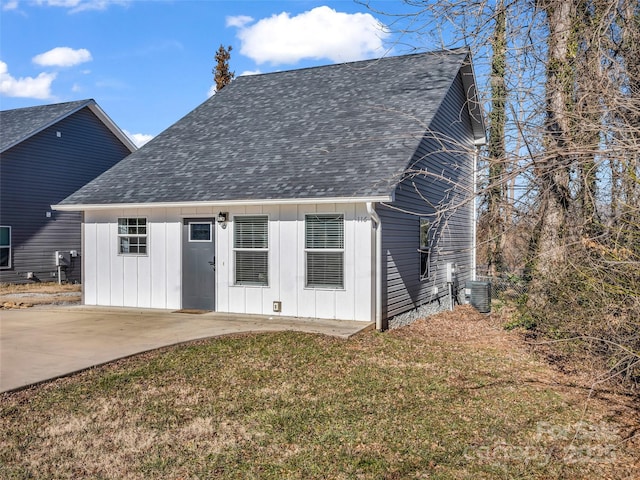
x=21 y=123
x=346 y=130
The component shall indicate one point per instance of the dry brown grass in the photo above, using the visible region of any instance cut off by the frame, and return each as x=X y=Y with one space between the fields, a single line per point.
x=38 y=293
x=38 y=287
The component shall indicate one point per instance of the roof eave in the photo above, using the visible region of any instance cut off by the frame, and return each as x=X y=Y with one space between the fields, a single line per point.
x=473 y=102
x=223 y=203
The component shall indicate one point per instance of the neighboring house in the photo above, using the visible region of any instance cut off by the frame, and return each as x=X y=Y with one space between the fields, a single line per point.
x=47 y=153
x=331 y=192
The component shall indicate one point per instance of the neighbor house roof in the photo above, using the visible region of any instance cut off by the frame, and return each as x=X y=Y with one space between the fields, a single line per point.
x=19 y=124
x=345 y=131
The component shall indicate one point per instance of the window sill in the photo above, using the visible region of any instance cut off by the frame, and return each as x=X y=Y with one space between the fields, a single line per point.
x=327 y=289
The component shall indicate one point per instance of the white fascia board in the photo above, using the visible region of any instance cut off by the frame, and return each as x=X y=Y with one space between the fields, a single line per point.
x=222 y=203
x=468 y=74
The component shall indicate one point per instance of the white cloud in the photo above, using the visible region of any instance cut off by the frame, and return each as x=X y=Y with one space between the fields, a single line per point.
x=10 y=5
x=138 y=138
x=59 y=3
x=250 y=72
x=63 y=57
x=238 y=21
x=212 y=91
x=27 y=87
x=76 y=6
x=320 y=33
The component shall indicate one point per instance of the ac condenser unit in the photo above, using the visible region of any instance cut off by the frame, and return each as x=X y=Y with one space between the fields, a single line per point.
x=479 y=295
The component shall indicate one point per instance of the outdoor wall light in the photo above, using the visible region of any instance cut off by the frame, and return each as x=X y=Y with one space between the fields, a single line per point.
x=222 y=218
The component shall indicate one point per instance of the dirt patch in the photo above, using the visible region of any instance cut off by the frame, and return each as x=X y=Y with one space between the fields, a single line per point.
x=37 y=294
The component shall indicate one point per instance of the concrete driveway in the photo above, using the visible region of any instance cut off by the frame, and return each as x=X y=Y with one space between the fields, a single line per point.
x=39 y=344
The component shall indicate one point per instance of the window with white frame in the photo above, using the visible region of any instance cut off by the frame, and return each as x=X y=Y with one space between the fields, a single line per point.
x=5 y=247
x=132 y=236
x=324 y=250
x=200 y=232
x=251 y=249
x=425 y=248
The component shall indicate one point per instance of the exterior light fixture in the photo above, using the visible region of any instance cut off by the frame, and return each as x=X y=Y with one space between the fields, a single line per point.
x=223 y=217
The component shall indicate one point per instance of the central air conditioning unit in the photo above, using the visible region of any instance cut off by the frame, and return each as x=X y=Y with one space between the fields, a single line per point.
x=478 y=294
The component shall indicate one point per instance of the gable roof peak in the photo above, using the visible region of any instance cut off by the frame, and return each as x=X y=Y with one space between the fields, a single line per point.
x=19 y=124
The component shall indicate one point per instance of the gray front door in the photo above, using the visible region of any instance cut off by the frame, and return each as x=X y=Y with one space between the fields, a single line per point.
x=198 y=263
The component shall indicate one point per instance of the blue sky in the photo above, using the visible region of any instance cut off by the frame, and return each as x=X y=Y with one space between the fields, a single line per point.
x=148 y=63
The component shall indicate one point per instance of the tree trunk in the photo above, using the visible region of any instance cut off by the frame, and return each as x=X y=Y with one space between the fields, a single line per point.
x=497 y=150
x=553 y=170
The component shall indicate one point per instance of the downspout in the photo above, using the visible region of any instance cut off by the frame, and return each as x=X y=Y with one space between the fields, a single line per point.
x=378 y=300
x=474 y=213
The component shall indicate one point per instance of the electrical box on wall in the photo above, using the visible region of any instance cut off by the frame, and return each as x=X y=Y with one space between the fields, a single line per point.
x=63 y=259
x=451 y=272
x=277 y=306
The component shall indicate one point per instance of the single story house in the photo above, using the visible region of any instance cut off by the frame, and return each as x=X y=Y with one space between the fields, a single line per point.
x=48 y=152
x=340 y=191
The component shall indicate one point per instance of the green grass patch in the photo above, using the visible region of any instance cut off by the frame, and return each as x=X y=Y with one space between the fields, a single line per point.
x=294 y=405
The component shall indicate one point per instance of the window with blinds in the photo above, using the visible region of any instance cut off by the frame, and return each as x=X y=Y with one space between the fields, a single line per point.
x=251 y=249
x=324 y=250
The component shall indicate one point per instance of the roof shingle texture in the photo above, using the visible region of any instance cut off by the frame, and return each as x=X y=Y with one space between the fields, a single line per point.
x=21 y=123
x=346 y=131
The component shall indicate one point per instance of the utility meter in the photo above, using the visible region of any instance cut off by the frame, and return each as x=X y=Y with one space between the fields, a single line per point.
x=63 y=259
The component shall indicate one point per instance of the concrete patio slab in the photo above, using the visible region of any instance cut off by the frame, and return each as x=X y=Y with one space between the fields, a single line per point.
x=40 y=344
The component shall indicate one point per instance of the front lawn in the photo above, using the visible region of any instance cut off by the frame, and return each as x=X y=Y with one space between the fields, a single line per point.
x=450 y=397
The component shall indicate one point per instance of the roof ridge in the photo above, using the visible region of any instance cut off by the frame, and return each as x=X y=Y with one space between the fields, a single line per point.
x=454 y=51
x=46 y=105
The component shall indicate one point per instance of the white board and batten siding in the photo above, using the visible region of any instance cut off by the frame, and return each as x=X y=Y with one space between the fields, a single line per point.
x=145 y=281
x=155 y=280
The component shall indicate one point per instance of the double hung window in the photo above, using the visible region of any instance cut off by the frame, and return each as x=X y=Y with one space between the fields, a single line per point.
x=425 y=248
x=324 y=250
x=132 y=236
x=5 y=247
x=251 y=249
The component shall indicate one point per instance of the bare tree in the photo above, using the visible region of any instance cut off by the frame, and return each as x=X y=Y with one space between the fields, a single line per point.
x=560 y=80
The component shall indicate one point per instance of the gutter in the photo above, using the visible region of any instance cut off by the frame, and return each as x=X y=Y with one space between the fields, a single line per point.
x=378 y=295
x=219 y=203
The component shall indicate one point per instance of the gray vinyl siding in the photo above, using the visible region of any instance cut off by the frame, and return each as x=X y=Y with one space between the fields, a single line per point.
x=449 y=182
x=41 y=171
